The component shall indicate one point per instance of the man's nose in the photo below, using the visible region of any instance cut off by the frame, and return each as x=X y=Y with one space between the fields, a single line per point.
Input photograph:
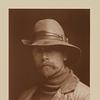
x=45 y=56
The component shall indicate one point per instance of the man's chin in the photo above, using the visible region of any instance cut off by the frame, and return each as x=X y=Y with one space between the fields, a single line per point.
x=46 y=75
x=47 y=71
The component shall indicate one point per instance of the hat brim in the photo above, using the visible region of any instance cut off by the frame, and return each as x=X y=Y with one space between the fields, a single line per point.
x=72 y=51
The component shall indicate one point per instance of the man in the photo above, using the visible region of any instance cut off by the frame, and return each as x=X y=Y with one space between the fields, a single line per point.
x=52 y=55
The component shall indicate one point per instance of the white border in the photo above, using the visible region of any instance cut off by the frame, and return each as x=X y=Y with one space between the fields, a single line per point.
x=71 y=4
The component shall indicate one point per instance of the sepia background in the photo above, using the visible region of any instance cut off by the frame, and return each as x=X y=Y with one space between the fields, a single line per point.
x=75 y=22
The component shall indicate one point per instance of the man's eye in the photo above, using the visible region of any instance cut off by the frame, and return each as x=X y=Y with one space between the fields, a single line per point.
x=36 y=50
x=39 y=50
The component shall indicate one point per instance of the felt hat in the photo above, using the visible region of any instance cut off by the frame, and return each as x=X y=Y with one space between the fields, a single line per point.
x=48 y=32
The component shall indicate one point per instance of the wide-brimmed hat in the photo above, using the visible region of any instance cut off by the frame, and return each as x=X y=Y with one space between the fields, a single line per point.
x=48 y=32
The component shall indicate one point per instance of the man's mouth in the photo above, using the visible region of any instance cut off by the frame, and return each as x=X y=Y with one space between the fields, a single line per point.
x=47 y=65
x=46 y=68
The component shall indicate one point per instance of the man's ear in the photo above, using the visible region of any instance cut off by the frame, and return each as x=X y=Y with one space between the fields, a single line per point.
x=65 y=58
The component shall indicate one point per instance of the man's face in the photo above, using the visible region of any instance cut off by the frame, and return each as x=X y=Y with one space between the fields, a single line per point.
x=48 y=60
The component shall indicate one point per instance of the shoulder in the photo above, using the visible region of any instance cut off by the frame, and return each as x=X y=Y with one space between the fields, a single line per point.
x=82 y=91
x=28 y=93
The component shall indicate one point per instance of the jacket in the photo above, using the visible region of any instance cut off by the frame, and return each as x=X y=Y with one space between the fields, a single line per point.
x=73 y=90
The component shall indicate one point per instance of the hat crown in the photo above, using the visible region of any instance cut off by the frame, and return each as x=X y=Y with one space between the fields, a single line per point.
x=48 y=32
x=49 y=26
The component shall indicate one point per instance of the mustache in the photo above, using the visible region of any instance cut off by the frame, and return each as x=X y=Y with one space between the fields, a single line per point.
x=47 y=64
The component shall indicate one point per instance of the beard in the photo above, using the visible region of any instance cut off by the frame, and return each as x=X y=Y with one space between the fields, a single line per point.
x=48 y=69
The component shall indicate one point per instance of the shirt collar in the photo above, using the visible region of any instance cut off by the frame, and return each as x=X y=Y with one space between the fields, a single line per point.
x=70 y=83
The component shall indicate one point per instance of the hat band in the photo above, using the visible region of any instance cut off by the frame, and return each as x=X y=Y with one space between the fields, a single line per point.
x=49 y=35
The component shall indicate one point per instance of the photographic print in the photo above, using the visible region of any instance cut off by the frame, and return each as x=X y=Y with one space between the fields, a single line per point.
x=49 y=54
